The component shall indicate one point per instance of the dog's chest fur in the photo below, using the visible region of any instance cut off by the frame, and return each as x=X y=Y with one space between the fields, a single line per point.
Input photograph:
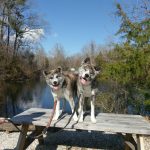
x=61 y=93
x=58 y=94
x=87 y=91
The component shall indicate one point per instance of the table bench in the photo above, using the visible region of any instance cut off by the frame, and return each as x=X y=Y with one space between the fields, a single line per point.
x=123 y=124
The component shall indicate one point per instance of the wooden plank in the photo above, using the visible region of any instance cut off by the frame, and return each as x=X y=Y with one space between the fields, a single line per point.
x=99 y=127
x=119 y=115
x=22 y=138
x=30 y=138
x=31 y=116
x=142 y=142
x=130 y=122
x=39 y=130
x=138 y=142
x=130 y=142
x=108 y=122
x=122 y=117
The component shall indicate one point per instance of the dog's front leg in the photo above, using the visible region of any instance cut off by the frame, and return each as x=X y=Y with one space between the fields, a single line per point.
x=80 y=110
x=93 y=119
x=57 y=112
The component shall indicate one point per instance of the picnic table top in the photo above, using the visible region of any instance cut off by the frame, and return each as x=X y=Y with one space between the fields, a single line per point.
x=109 y=122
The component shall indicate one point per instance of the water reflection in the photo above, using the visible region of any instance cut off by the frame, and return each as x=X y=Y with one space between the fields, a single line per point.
x=17 y=97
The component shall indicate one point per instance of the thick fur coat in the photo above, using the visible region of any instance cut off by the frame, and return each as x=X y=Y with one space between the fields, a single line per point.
x=86 y=87
x=62 y=85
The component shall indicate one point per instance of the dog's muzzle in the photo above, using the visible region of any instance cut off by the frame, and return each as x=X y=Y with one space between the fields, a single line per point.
x=85 y=80
x=55 y=85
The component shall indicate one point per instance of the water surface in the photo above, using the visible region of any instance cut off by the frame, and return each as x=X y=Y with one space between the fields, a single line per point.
x=17 y=97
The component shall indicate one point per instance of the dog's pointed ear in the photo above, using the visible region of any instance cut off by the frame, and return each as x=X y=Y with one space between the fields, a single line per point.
x=59 y=69
x=45 y=73
x=86 y=61
x=97 y=69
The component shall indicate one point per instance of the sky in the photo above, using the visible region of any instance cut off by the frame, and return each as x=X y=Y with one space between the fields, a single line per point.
x=75 y=23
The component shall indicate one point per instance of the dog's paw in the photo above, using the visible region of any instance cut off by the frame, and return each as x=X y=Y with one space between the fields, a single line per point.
x=55 y=118
x=75 y=118
x=93 y=120
x=79 y=110
x=81 y=120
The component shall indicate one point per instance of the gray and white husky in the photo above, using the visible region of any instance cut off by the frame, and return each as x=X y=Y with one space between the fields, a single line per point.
x=62 y=85
x=86 y=87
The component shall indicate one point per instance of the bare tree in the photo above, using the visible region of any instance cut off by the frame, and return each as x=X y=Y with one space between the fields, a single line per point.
x=90 y=50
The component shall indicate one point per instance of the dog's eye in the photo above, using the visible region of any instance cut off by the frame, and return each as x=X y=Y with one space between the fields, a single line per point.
x=57 y=76
x=51 y=77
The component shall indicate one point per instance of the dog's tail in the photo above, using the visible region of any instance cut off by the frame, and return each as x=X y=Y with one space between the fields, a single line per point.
x=73 y=78
x=74 y=85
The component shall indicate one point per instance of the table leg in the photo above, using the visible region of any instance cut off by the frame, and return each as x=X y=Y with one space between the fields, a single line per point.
x=130 y=142
x=140 y=142
x=39 y=130
x=22 y=138
x=31 y=137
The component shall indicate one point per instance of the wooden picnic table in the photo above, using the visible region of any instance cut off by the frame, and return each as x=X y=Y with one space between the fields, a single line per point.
x=124 y=124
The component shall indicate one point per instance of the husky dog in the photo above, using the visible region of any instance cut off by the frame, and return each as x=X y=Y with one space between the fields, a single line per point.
x=62 y=85
x=86 y=87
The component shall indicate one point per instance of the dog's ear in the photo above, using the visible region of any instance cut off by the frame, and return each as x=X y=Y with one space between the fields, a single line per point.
x=86 y=61
x=97 y=69
x=59 y=69
x=46 y=72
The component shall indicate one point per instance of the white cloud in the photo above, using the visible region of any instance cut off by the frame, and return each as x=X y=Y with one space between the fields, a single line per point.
x=34 y=35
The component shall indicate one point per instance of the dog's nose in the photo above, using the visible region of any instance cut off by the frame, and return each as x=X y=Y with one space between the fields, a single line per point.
x=86 y=75
x=55 y=82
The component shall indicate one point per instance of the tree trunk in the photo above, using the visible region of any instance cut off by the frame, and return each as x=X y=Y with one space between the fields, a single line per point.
x=8 y=37
x=2 y=25
x=15 y=44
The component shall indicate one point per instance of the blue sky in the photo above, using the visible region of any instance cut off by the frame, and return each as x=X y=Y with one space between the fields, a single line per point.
x=75 y=23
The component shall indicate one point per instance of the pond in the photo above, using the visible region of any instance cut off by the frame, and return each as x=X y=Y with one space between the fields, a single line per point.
x=17 y=97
